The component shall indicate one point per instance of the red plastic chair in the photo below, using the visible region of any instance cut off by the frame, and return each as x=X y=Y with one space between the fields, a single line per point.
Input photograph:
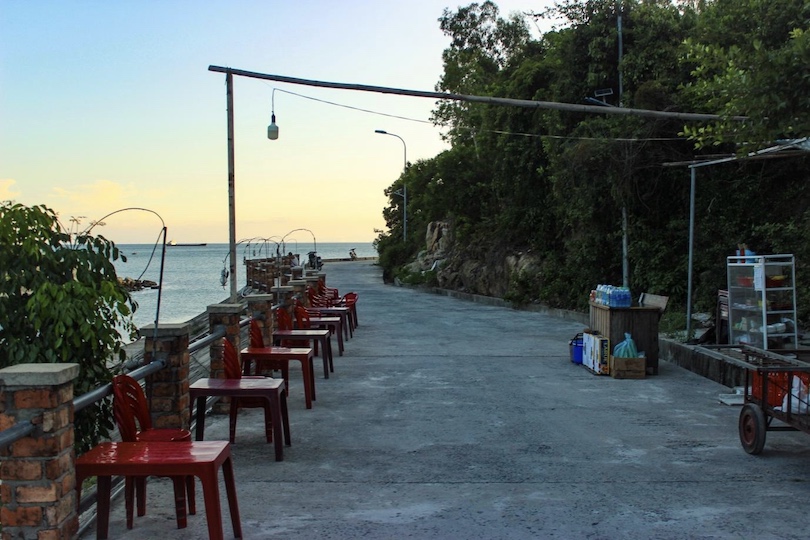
x=317 y=300
x=135 y=424
x=349 y=300
x=283 y=319
x=328 y=292
x=302 y=317
x=257 y=340
x=233 y=370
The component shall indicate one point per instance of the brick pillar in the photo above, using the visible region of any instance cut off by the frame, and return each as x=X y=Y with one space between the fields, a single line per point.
x=260 y=308
x=299 y=291
x=321 y=277
x=38 y=490
x=250 y=272
x=226 y=315
x=312 y=282
x=285 y=273
x=282 y=296
x=168 y=388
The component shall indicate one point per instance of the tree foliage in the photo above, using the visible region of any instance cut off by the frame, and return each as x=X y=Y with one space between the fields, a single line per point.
x=61 y=301
x=556 y=182
x=751 y=58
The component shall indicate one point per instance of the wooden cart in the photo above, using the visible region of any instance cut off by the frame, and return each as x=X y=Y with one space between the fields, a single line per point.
x=776 y=388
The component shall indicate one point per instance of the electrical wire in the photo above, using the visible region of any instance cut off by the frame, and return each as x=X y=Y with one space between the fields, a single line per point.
x=496 y=131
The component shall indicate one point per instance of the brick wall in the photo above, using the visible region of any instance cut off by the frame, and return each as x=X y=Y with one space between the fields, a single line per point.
x=37 y=494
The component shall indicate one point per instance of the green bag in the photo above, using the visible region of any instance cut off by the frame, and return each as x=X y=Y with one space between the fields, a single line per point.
x=626 y=349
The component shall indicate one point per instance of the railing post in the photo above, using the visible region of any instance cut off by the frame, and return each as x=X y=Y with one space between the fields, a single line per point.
x=260 y=308
x=38 y=490
x=168 y=388
x=225 y=315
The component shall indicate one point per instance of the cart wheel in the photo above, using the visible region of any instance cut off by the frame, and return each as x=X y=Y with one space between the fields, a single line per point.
x=752 y=428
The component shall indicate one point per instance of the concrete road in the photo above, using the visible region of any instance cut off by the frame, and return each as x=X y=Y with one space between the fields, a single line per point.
x=448 y=419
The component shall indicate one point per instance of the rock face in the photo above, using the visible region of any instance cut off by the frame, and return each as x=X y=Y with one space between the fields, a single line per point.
x=486 y=273
x=136 y=284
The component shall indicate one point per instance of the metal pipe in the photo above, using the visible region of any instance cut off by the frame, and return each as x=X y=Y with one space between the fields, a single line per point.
x=572 y=107
x=691 y=250
x=15 y=433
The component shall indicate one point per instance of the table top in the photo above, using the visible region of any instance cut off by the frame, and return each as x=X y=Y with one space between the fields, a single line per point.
x=243 y=386
x=334 y=309
x=303 y=332
x=325 y=319
x=280 y=351
x=107 y=456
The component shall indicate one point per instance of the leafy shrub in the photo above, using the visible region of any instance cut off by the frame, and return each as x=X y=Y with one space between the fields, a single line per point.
x=61 y=302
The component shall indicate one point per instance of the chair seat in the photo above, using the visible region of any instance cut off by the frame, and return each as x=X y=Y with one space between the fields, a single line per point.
x=135 y=425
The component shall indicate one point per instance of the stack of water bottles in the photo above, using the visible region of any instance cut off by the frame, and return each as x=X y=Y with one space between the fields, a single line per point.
x=611 y=296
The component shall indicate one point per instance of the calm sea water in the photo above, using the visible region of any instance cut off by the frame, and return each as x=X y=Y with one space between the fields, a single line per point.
x=191 y=274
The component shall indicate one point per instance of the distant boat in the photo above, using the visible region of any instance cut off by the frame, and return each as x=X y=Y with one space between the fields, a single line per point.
x=175 y=244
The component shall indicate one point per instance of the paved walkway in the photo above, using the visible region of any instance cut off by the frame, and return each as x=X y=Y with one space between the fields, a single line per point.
x=447 y=419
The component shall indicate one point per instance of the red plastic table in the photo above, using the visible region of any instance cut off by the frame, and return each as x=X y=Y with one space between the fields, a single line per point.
x=336 y=311
x=269 y=357
x=335 y=324
x=270 y=389
x=201 y=459
x=316 y=335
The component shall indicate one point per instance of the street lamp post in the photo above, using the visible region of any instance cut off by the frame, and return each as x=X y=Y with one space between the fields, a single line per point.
x=404 y=184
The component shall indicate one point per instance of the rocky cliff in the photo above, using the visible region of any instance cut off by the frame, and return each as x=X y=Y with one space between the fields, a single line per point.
x=487 y=272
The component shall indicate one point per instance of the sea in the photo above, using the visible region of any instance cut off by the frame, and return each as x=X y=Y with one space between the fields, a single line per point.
x=191 y=274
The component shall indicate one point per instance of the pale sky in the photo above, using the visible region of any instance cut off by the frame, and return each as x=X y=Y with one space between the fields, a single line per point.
x=108 y=105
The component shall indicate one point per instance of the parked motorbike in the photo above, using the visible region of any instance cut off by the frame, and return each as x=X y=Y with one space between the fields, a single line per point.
x=315 y=260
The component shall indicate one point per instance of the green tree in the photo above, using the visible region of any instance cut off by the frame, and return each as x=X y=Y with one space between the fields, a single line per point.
x=751 y=58
x=61 y=301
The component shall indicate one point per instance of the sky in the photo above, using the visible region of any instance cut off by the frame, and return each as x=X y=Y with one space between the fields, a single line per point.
x=110 y=105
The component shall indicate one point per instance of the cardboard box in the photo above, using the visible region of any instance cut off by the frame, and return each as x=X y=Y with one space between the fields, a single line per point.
x=628 y=368
x=596 y=353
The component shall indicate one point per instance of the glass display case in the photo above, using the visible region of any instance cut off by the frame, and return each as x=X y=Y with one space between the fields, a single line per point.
x=762 y=301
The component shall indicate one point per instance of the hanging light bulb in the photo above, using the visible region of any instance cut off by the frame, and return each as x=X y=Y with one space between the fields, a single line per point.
x=272 y=129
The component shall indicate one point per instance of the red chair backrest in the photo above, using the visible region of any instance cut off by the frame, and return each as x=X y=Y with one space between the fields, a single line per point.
x=302 y=317
x=316 y=300
x=231 y=360
x=256 y=339
x=283 y=319
x=327 y=292
x=129 y=407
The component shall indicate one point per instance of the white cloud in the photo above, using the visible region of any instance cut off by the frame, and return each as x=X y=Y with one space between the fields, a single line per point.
x=7 y=193
x=102 y=194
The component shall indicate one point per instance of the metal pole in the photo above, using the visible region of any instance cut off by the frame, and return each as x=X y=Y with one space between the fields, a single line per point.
x=404 y=183
x=625 y=251
x=691 y=250
x=619 y=28
x=404 y=192
x=231 y=188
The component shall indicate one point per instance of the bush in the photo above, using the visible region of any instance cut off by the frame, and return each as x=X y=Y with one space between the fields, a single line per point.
x=61 y=302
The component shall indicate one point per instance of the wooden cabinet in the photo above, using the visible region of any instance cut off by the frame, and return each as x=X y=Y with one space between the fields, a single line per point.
x=640 y=322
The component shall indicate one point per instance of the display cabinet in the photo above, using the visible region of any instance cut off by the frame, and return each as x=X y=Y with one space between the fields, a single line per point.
x=762 y=301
